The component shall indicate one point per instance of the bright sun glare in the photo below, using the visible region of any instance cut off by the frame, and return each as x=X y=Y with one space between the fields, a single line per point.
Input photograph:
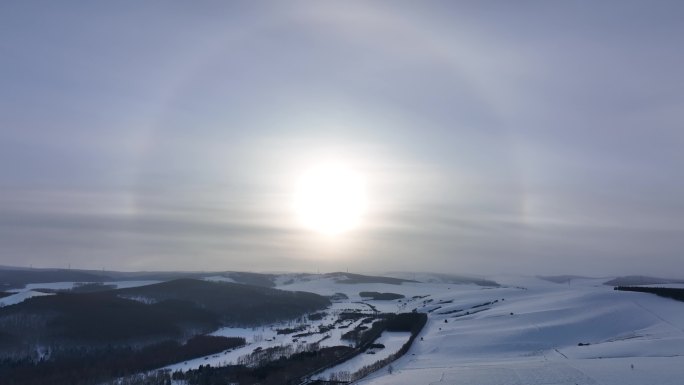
x=330 y=199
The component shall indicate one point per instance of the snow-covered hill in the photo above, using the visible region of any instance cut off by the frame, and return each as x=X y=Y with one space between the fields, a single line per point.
x=528 y=332
x=525 y=331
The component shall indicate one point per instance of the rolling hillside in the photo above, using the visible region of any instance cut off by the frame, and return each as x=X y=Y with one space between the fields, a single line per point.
x=140 y=315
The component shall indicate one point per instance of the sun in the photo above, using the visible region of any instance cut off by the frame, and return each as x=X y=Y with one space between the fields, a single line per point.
x=330 y=198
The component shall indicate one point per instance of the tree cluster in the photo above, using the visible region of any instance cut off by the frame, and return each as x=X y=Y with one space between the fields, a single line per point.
x=667 y=292
x=85 y=366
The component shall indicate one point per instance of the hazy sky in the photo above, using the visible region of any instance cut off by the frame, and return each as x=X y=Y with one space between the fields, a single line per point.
x=500 y=136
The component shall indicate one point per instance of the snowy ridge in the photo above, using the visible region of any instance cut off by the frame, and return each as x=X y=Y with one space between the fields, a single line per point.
x=34 y=289
x=525 y=332
x=531 y=336
x=19 y=297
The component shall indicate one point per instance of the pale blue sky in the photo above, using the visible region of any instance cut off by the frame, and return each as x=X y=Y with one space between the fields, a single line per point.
x=531 y=136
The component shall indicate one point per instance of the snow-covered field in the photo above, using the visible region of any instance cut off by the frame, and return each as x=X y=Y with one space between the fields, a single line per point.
x=20 y=296
x=527 y=332
x=392 y=341
x=70 y=285
x=33 y=289
x=531 y=336
x=265 y=337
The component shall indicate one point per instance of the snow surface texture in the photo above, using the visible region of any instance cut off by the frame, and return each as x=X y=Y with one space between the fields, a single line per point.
x=393 y=341
x=525 y=332
x=531 y=337
x=265 y=337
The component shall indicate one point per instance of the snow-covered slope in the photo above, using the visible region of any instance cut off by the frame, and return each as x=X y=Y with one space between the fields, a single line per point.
x=18 y=297
x=528 y=331
x=34 y=289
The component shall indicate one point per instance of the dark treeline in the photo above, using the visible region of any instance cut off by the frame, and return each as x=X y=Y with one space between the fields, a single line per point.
x=16 y=277
x=380 y=296
x=666 y=292
x=407 y=322
x=462 y=280
x=281 y=371
x=350 y=278
x=144 y=315
x=81 y=337
x=363 y=335
x=94 y=320
x=404 y=322
x=82 y=366
x=236 y=304
x=285 y=365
